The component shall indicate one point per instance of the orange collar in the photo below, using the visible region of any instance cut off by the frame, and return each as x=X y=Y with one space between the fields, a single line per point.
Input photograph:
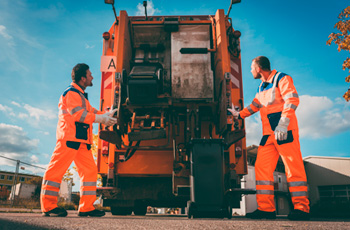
x=272 y=74
x=75 y=85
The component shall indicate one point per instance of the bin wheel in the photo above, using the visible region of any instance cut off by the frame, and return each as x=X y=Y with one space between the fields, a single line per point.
x=229 y=211
x=190 y=209
x=121 y=211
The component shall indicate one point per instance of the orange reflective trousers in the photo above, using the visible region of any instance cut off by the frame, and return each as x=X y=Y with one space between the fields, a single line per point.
x=61 y=159
x=268 y=154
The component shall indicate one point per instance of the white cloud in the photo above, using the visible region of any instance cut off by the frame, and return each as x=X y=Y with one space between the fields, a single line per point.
x=253 y=129
x=23 y=115
x=34 y=159
x=150 y=9
x=6 y=36
x=39 y=114
x=320 y=117
x=15 y=103
x=89 y=47
x=14 y=143
x=5 y=108
x=46 y=155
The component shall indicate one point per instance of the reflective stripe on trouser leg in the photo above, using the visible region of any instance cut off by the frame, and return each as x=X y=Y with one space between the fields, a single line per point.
x=295 y=172
x=264 y=167
x=61 y=159
x=88 y=176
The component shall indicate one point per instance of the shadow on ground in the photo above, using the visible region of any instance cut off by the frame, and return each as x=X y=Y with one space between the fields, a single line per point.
x=12 y=225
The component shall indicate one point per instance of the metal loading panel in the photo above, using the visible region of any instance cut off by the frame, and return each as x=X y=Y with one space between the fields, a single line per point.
x=191 y=74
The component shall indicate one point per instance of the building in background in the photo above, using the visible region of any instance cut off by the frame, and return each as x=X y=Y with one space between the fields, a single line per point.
x=23 y=191
x=7 y=178
x=329 y=185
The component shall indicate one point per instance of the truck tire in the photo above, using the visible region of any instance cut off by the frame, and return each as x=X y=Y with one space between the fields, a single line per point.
x=140 y=208
x=121 y=211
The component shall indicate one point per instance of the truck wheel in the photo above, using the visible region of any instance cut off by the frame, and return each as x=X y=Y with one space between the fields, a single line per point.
x=121 y=211
x=140 y=208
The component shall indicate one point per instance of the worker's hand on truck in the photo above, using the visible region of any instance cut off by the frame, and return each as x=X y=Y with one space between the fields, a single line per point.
x=234 y=112
x=105 y=119
x=111 y=112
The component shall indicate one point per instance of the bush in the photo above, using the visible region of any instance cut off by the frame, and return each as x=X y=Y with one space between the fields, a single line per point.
x=67 y=205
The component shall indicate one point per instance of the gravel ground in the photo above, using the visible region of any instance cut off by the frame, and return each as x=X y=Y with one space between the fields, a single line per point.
x=34 y=221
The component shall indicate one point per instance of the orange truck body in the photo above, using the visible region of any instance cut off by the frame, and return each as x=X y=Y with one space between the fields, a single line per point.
x=180 y=96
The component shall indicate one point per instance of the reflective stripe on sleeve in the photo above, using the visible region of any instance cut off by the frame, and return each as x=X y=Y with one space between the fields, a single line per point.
x=51 y=183
x=62 y=111
x=255 y=104
x=89 y=183
x=290 y=106
x=83 y=116
x=49 y=193
x=290 y=95
x=295 y=194
x=264 y=192
x=250 y=110
x=87 y=193
x=264 y=182
x=76 y=109
x=297 y=183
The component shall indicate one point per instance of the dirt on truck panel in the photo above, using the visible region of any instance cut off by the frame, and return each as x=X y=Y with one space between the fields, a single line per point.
x=172 y=79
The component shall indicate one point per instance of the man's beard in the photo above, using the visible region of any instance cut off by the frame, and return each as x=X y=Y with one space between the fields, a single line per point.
x=258 y=76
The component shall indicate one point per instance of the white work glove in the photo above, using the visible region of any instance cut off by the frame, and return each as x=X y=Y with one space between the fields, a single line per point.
x=106 y=118
x=281 y=131
x=233 y=111
x=111 y=112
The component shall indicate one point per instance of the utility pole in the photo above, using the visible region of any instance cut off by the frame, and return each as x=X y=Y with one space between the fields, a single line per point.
x=13 y=191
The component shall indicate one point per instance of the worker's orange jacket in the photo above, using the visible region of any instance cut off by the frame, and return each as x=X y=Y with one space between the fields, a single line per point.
x=276 y=99
x=76 y=116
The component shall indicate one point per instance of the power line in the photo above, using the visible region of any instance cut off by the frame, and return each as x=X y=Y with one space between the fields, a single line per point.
x=22 y=162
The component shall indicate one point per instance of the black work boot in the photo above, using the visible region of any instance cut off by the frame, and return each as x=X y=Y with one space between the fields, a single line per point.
x=60 y=212
x=93 y=213
x=298 y=215
x=257 y=214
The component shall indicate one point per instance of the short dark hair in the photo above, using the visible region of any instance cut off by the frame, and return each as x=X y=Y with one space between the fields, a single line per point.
x=79 y=70
x=263 y=62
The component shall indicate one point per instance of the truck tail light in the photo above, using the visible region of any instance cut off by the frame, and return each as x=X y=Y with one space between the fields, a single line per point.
x=106 y=35
x=104 y=148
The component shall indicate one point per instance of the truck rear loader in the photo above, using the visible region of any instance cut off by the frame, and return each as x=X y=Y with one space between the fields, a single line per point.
x=172 y=79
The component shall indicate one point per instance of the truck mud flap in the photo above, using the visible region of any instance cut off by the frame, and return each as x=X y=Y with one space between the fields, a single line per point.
x=232 y=137
x=111 y=137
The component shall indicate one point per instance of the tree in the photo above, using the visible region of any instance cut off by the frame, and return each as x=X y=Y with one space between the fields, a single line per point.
x=342 y=39
x=68 y=176
x=36 y=181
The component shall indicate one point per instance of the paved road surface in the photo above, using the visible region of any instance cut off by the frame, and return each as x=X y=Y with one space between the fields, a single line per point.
x=34 y=221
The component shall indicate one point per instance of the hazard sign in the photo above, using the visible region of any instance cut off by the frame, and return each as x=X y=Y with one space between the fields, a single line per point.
x=108 y=63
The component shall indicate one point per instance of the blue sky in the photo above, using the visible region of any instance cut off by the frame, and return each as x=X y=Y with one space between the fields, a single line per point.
x=40 y=42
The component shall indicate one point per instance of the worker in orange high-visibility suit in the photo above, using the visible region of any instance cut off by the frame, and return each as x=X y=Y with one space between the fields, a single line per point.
x=74 y=139
x=277 y=100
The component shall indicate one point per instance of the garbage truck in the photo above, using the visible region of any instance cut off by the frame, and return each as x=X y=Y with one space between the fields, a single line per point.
x=171 y=79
